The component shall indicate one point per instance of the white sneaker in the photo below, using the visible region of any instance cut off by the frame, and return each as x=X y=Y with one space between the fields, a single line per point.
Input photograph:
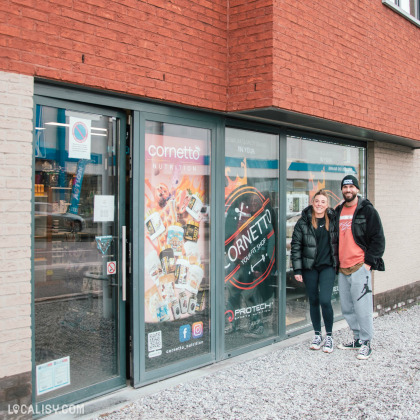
x=316 y=342
x=328 y=344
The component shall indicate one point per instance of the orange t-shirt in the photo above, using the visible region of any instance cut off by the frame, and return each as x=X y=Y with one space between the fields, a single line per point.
x=349 y=252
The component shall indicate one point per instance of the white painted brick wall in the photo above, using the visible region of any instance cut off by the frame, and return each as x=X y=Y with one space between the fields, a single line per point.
x=396 y=195
x=16 y=113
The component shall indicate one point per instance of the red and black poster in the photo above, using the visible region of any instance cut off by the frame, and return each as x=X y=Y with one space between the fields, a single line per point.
x=250 y=260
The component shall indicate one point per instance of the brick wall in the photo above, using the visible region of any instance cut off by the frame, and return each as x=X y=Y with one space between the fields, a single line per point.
x=352 y=62
x=16 y=108
x=250 y=42
x=171 y=50
x=355 y=62
x=395 y=171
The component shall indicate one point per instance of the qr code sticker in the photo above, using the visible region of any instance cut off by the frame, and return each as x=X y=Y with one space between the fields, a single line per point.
x=154 y=340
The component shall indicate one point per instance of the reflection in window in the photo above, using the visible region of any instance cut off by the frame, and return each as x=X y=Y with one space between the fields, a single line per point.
x=75 y=299
x=407 y=8
x=313 y=165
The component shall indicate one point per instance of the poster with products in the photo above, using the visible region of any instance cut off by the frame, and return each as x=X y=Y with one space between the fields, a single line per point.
x=177 y=247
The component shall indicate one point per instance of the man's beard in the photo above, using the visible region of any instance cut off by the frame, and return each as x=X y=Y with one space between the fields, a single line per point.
x=349 y=199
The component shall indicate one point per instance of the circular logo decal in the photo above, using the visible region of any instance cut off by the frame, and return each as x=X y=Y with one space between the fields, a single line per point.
x=250 y=241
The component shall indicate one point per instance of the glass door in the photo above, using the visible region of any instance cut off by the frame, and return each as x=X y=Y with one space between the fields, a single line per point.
x=78 y=254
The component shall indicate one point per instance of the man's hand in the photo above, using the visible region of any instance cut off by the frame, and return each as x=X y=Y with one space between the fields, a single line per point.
x=298 y=277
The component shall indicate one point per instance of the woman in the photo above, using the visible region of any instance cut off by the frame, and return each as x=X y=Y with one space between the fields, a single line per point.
x=314 y=255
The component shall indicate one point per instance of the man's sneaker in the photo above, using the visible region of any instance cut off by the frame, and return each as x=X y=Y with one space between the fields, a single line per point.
x=365 y=351
x=316 y=342
x=352 y=345
x=328 y=344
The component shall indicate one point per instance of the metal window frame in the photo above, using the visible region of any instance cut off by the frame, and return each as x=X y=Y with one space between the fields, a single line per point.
x=395 y=7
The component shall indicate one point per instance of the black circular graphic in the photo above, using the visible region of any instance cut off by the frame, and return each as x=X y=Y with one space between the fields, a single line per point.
x=250 y=241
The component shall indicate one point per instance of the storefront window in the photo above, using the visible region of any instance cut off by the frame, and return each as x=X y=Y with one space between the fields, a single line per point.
x=76 y=264
x=314 y=165
x=177 y=243
x=251 y=208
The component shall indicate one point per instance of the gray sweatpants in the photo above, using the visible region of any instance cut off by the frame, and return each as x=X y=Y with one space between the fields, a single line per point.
x=357 y=303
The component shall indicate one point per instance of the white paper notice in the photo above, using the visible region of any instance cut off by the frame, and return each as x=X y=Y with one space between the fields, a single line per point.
x=52 y=375
x=79 y=138
x=103 y=208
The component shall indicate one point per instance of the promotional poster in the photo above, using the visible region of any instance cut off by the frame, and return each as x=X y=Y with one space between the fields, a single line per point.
x=250 y=259
x=177 y=247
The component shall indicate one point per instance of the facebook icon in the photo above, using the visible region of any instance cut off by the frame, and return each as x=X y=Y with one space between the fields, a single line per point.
x=184 y=333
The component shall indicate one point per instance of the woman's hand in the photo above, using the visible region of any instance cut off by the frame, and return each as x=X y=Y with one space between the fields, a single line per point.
x=298 y=277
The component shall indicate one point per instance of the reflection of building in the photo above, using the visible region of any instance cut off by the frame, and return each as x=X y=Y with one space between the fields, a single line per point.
x=270 y=100
x=296 y=202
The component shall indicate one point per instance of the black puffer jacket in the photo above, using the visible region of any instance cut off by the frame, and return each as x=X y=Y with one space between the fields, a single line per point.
x=367 y=232
x=304 y=247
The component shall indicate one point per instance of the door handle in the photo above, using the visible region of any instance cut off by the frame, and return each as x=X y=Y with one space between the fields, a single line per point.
x=123 y=263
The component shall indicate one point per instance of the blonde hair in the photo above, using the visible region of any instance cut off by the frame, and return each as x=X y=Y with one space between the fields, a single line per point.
x=327 y=220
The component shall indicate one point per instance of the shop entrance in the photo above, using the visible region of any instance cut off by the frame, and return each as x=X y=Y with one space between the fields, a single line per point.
x=79 y=250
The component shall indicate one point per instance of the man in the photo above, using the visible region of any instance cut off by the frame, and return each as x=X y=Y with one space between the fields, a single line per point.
x=360 y=250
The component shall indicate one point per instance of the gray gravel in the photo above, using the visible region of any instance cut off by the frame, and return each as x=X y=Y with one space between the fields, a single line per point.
x=297 y=383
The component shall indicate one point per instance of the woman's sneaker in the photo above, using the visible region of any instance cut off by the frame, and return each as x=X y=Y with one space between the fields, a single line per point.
x=316 y=342
x=328 y=344
x=352 y=345
x=365 y=351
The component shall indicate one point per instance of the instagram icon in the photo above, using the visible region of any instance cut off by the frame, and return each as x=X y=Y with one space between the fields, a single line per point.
x=197 y=329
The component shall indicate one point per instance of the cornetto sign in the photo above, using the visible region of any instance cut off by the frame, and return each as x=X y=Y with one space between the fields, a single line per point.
x=186 y=152
x=250 y=241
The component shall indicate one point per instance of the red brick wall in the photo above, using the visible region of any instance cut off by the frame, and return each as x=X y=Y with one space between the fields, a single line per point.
x=355 y=62
x=250 y=42
x=173 y=50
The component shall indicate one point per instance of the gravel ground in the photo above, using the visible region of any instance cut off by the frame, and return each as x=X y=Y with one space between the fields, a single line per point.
x=297 y=383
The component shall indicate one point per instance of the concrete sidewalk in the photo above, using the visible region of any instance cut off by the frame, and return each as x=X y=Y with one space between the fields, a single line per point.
x=291 y=374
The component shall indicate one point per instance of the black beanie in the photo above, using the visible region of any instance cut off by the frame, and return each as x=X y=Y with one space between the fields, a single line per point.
x=350 y=180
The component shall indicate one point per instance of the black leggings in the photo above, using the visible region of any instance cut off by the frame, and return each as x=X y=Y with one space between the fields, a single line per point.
x=319 y=286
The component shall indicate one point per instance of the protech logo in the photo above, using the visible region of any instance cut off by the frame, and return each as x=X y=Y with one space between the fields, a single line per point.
x=262 y=307
x=186 y=152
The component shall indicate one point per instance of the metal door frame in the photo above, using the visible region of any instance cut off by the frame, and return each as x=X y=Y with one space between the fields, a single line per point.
x=49 y=97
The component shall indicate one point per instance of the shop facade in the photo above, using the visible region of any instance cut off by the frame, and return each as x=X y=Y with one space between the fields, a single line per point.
x=143 y=238
x=162 y=238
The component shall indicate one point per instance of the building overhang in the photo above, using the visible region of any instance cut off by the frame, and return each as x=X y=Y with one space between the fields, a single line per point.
x=322 y=126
